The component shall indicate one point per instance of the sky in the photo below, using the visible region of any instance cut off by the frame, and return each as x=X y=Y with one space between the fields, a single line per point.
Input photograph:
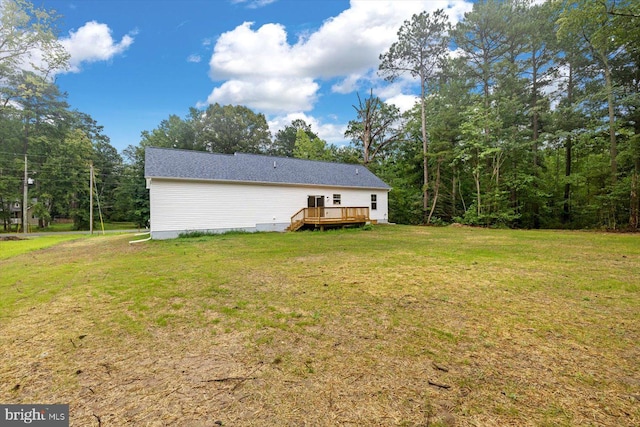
x=136 y=62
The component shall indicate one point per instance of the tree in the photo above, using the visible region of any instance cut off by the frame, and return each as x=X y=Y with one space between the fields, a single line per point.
x=28 y=42
x=132 y=196
x=626 y=16
x=11 y=164
x=421 y=47
x=446 y=111
x=591 y=22
x=481 y=151
x=218 y=129
x=40 y=106
x=310 y=149
x=29 y=53
x=173 y=132
x=106 y=160
x=64 y=177
x=378 y=126
x=285 y=139
x=229 y=129
x=570 y=118
x=344 y=154
x=480 y=37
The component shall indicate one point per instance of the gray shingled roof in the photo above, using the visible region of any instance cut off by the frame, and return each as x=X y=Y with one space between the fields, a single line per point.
x=199 y=165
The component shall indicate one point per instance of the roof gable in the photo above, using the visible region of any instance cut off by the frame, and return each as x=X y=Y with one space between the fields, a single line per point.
x=239 y=167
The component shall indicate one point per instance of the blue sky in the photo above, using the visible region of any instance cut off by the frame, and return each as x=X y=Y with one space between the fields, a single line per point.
x=135 y=62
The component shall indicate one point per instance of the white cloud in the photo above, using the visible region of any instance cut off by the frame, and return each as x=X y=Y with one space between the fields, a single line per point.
x=556 y=86
x=243 y=53
x=403 y=102
x=456 y=53
x=274 y=95
x=92 y=43
x=253 y=4
x=260 y=68
x=195 y=58
x=348 y=85
x=332 y=133
x=398 y=93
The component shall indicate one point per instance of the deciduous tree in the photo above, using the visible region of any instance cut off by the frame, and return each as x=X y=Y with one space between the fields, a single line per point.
x=231 y=128
x=285 y=139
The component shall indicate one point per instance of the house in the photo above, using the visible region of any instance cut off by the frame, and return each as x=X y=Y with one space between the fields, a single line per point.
x=200 y=191
x=14 y=217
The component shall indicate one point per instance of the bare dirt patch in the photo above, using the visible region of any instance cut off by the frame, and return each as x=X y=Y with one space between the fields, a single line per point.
x=10 y=238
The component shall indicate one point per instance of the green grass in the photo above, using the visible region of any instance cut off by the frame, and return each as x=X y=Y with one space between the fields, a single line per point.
x=68 y=226
x=12 y=248
x=340 y=327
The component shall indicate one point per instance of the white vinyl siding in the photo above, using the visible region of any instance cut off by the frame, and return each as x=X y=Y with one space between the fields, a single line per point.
x=181 y=205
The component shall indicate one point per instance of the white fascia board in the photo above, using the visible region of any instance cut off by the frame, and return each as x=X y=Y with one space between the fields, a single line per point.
x=283 y=184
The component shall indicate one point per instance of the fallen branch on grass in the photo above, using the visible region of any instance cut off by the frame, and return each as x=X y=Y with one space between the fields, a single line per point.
x=435 y=384
x=221 y=380
x=240 y=380
x=440 y=367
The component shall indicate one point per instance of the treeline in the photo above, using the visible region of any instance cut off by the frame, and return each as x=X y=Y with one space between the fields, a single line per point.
x=532 y=121
x=60 y=146
x=46 y=148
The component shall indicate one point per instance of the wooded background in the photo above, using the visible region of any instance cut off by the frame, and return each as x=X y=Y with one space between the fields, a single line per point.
x=527 y=117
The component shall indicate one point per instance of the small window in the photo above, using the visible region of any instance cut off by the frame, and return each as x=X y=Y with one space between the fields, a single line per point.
x=336 y=199
x=374 y=202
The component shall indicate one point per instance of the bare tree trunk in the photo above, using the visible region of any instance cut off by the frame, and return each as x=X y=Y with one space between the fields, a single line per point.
x=437 y=191
x=634 y=217
x=453 y=193
x=536 y=131
x=612 y=124
x=367 y=144
x=476 y=177
x=366 y=121
x=425 y=147
x=566 y=209
x=612 y=139
x=497 y=163
x=535 y=119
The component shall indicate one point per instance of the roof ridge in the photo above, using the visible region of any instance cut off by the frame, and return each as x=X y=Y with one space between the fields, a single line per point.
x=186 y=150
x=241 y=154
x=301 y=160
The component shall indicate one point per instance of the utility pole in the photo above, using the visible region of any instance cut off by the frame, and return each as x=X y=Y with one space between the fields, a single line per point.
x=91 y=198
x=25 y=198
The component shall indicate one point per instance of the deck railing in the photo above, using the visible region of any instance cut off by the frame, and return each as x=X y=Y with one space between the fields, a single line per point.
x=329 y=215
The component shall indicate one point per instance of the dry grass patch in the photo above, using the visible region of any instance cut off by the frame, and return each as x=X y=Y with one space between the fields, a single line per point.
x=400 y=326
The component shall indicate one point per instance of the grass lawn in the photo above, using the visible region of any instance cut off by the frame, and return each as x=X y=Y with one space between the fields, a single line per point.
x=10 y=247
x=68 y=226
x=398 y=326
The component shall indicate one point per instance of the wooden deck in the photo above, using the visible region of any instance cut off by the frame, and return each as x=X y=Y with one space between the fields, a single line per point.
x=329 y=217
